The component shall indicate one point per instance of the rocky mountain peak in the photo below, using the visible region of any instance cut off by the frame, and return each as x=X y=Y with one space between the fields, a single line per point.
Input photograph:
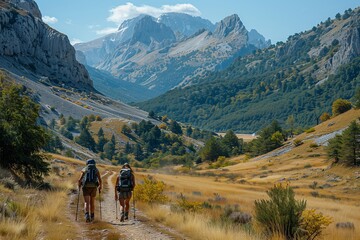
x=27 y=5
x=30 y=45
x=185 y=24
x=147 y=30
x=230 y=24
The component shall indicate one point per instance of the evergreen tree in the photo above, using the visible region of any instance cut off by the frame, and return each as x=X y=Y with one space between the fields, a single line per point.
x=128 y=148
x=52 y=124
x=70 y=124
x=212 y=150
x=138 y=152
x=84 y=123
x=350 y=150
x=357 y=98
x=21 y=138
x=86 y=140
x=334 y=148
x=231 y=142
x=175 y=127
x=291 y=124
x=101 y=140
x=109 y=150
x=113 y=140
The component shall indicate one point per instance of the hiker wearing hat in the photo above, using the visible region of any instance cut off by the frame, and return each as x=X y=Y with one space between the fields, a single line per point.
x=125 y=184
x=90 y=180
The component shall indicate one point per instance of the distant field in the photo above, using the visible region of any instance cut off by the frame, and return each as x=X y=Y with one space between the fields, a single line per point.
x=246 y=137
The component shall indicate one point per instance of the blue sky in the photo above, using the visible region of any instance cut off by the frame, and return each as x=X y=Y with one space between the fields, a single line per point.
x=85 y=20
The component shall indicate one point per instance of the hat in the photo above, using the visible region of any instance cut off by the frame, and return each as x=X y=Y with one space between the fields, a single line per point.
x=90 y=161
x=126 y=164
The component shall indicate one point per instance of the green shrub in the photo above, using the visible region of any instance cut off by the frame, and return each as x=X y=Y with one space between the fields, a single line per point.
x=297 y=142
x=281 y=214
x=314 y=145
x=310 y=130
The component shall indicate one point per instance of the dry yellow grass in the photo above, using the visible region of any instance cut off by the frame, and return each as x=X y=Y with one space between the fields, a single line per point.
x=196 y=226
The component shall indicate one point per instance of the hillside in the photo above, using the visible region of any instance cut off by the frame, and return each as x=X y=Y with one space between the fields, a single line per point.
x=301 y=77
x=331 y=189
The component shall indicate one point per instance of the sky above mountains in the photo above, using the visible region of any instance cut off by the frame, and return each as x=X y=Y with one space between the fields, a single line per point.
x=85 y=20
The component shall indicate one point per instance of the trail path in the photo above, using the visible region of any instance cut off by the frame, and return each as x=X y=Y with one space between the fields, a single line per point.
x=131 y=229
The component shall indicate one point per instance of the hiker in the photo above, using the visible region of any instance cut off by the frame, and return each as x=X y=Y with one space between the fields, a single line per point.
x=125 y=184
x=90 y=180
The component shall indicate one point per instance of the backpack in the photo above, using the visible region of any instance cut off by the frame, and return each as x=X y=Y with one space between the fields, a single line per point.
x=90 y=178
x=125 y=181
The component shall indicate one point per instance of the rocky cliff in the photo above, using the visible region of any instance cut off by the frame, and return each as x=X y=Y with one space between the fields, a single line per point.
x=28 y=44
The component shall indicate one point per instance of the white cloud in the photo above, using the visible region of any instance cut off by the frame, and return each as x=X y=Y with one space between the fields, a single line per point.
x=106 y=31
x=129 y=10
x=49 y=20
x=93 y=26
x=75 y=41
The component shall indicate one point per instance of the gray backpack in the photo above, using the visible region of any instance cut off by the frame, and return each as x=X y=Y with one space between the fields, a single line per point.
x=125 y=181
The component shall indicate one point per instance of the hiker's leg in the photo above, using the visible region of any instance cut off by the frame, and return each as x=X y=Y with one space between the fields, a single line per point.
x=92 y=205
x=127 y=204
x=87 y=203
x=122 y=208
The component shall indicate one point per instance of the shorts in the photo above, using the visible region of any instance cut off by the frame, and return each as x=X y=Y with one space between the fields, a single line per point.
x=89 y=191
x=124 y=195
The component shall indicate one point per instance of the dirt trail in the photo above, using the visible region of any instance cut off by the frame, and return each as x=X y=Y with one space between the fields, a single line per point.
x=133 y=228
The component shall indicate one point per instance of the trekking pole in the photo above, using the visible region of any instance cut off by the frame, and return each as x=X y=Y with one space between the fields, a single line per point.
x=116 y=210
x=100 y=203
x=77 y=205
x=134 y=203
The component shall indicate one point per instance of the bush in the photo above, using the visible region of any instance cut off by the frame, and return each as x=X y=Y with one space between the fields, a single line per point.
x=182 y=204
x=314 y=223
x=151 y=191
x=282 y=213
x=297 y=142
x=310 y=130
x=340 y=106
x=314 y=145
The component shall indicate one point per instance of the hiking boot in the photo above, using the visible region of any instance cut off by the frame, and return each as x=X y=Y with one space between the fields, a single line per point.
x=122 y=217
x=87 y=217
x=92 y=217
x=126 y=216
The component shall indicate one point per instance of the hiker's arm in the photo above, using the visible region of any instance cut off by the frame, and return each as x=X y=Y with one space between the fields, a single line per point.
x=116 y=184
x=133 y=181
x=80 y=179
x=100 y=181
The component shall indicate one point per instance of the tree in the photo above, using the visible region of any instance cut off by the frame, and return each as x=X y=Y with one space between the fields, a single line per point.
x=350 y=151
x=231 y=142
x=340 y=106
x=291 y=124
x=212 y=150
x=101 y=140
x=357 y=98
x=70 y=124
x=128 y=148
x=126 y=129
x=86 y=140
x=152 y=114
x=138 y=152
x=175 y=127
x=52 y=124
x=109 y=150
x=338 y=16
x=21 y=138
x=324 y=117
x=84 y=123
x=333 y=149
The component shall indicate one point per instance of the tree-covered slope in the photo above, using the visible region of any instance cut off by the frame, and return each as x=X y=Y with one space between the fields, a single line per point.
x=301 y=77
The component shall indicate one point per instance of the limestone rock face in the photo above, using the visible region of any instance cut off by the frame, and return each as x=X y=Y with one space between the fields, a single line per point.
x=27 y=42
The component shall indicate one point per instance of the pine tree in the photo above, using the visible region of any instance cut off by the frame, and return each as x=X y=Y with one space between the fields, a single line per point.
x=86 y=140
x=101 y=140
x=109 y=150
x=333 y=149
x=350 y=151
x=21 y=138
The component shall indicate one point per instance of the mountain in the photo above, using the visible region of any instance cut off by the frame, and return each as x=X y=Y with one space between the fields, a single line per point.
x=32 y=48
x=258 y=40
x=163 y=53
x=117 y=89
x=159 y=63
x=301 y=77
x=97 y=50
x=185 y=25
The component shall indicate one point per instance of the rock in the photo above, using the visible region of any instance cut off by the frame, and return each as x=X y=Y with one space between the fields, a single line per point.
x=348 y=225
x=240 y=217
